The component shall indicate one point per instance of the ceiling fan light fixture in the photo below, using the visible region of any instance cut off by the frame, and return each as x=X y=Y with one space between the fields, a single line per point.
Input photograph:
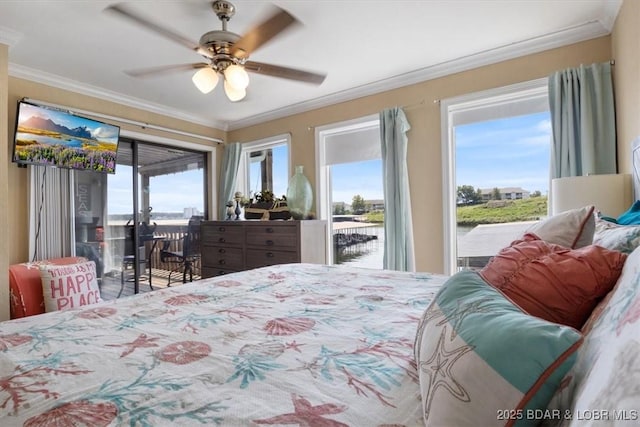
x=236 y=76
x=205 y=79
x=232 y=93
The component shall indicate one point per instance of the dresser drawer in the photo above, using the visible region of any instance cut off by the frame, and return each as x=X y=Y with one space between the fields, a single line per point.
x=277 y=239
x=261 y=258
x=271 y=227
x=222 y=257
x=223 y=234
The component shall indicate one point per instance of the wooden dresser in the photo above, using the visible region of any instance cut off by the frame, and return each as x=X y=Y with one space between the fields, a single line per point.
x=229 y=246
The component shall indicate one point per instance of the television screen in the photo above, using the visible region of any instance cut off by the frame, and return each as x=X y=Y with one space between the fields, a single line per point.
x=51 y=137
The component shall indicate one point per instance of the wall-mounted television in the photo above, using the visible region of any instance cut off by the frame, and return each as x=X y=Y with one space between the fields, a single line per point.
x=52 y=137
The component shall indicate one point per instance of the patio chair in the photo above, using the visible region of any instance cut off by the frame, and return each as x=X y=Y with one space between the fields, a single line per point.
x=184 y=259
x=145 y=233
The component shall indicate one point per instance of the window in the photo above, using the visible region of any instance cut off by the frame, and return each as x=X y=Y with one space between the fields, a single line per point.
x=350 y=195
x=494 y=146
x=264 y=165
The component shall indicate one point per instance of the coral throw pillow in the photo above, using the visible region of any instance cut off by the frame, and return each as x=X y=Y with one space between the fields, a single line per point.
x=552 y=282
x=69 y=286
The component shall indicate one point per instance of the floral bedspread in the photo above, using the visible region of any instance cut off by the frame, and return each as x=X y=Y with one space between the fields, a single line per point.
x=295 y=344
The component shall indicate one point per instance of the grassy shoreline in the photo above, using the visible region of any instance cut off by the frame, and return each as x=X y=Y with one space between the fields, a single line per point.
x=530 y=209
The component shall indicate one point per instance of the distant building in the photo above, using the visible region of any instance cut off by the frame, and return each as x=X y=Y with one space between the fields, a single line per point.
x=189 y=212
x=506 y=193
x=374 y=205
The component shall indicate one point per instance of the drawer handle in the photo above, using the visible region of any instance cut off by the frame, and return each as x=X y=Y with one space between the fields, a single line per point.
x=269 y=254
x=269 y=230
x=222 y=251
x=221 y=240
x=221 y=229
x=269 y=242
x=222 y=262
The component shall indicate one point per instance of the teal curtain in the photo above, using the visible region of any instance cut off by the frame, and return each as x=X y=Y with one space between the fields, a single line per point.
x=583 y=121
x=228 y=175
x=398 y=227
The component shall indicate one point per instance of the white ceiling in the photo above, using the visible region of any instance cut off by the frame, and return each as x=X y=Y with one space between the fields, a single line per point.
x=363 y=46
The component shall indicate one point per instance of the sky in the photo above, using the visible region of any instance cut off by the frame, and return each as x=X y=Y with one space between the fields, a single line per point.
x=510 y=152
x=513 y=152
x=362 y=178
x=167 y=193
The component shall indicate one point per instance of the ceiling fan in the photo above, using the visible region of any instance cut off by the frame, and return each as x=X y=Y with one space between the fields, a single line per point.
x=226 y=53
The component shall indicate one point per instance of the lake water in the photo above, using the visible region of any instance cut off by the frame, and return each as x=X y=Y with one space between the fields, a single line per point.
x=371 y=253
x=368 y=254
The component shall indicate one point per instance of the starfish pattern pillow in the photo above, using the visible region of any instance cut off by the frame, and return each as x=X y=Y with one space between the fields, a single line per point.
x=483 y=361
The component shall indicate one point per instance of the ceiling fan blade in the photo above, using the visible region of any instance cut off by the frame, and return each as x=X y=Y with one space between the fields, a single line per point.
x=164 y=69
x=284 y=72
x=279 y=20
x=126 y=12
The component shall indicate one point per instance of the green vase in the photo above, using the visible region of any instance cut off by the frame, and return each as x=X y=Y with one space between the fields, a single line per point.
x=299 y=194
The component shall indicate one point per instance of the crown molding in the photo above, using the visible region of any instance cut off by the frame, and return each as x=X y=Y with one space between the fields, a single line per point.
x=60 y=82
x=560 y=38
x=611 y=9
x=9 y=37
x=578 y=33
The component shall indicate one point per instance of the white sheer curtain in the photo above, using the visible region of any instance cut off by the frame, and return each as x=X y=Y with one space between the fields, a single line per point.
x=398 y=226
x=51 y=233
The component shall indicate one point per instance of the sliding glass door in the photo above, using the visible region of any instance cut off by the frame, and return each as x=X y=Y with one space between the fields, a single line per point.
x=124 y=220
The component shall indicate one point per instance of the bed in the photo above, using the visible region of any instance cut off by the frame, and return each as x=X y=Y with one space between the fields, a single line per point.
x=293 y=344
x=545 y=333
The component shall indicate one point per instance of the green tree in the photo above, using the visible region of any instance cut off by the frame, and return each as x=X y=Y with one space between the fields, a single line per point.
x=536 y=193
x=339 y=209
x=495 y=194
x=467 y=195
x=358 y=205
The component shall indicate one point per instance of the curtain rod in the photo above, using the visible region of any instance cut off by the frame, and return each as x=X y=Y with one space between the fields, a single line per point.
x=123 y=120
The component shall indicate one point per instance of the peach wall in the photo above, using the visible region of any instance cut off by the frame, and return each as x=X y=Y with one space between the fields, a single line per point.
x=18 y=179
x=5 y=225
x=625 y=42
x=423 y=113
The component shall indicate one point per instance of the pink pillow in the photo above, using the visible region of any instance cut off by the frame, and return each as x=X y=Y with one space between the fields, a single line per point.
x=69 y=286
x=552 y=282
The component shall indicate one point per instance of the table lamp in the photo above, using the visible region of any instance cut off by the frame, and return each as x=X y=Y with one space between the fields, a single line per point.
x=611 y=194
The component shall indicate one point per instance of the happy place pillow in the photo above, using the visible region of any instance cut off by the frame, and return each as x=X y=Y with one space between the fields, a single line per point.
x=553 y=282
x=69 y=286
x=572 y=229
x=482 y=361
